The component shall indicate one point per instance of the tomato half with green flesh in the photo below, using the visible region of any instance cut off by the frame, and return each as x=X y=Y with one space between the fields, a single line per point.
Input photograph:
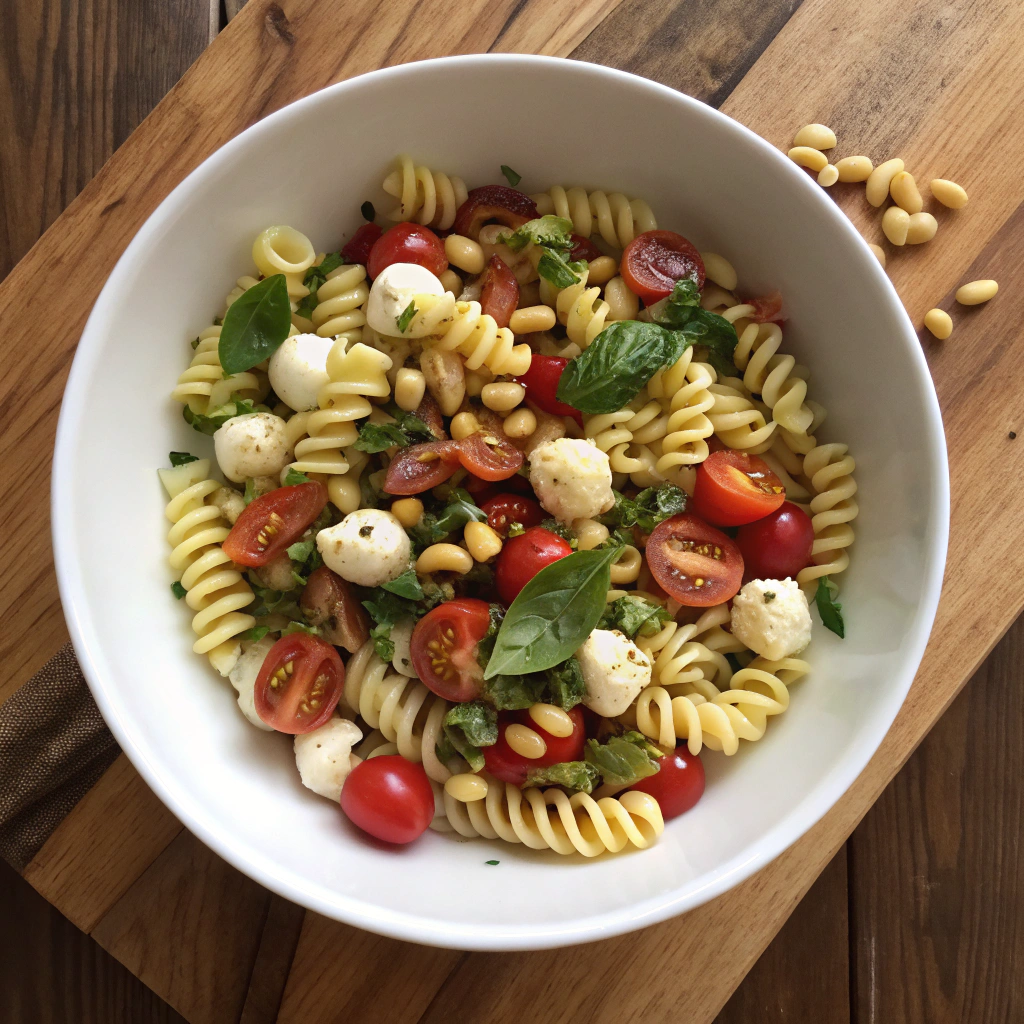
x=389 y=798
x=655 y=260
x=407 y=243
x=444 y=648
x=733 y=488
x=505 y=764
x=490 y=456
x=778 y=545
x=505 y=509
x=420 y=467
x=499 y=292
x=357 y=248
x=523 y=557
x=678 y=784
x=299 y=684
x=694 y=563
x=498 y=203
x=541 y=383
x=271 y=522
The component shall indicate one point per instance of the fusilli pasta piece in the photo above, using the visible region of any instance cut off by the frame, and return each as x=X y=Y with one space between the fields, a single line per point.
x=203 y=385
x=425 y=196
x=683 y=391
x=618 y=219
x=737 y=419
x=283 y=250
x=829 y=468
x=476 y=336
x=340 y=304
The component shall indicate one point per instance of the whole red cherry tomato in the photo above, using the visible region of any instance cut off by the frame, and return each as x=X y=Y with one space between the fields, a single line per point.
x=498 y=203
x=443 y=648
x=299 y=684
x=541 y=383
x=694 y=563
x=505 y=764
x=733 y=488
x=357 y=248
x=778 y=545
x=655 y=260
x=678 y=785
x=504 y=509
x=272 y=521
x=499 y=292
x=389 y=797
x=407 y=243
x=523 y=557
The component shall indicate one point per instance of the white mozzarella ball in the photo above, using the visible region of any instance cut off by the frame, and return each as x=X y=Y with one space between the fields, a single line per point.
x=614 y=670
x=252 y=445
x=369 y=547
x=392 y=291
x=243 y=678
x=298 y=370
x=772 y=618
x=324 y=756
x=572 y=478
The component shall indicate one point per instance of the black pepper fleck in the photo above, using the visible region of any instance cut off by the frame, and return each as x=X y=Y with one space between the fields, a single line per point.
x=365 y=531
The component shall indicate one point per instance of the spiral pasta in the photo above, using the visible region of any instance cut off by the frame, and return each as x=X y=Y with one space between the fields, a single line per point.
x=477 y=337
x=340 y=309
x=618 y=219
x=829 y=468
x=242 y=285
x=283 y=250
x=425 y=196
x=737 y=419
x=203 y=385
x=684 y=391
x=550 y=819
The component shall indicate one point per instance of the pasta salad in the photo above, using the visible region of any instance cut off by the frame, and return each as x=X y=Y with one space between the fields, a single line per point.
x=515 y=510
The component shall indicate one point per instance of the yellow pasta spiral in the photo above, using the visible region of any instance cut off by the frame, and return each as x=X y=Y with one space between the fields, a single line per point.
x=618 y=220
x=683 y=391
x=829 y=468
x=203 y=385
x=242 y=285
x=283 y=250
x=550 y=819
x=341 y=299
x=737 y=419
x=477 y=337
x=425 y=196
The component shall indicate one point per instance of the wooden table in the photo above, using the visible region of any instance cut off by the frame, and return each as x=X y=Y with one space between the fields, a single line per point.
x=914 y=920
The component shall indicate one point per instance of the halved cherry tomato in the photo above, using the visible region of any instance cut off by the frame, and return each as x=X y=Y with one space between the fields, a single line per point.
x=693 y=562
x=484 y=490
x=389 y=797
x=541 y=383
x=490 y=456
x=430 y=412
x=678 y=785
x=421 y=466
x=299 y=684
x=443 y=648
x=273 y=521
x=407 y=243
x=655 y=260
x=499 y=294
x=505 y=509
x=505 y=764
x=583 y=249
x=733 y=488
x=767 y=308
x=329 y=602
x=523 y=557
x=499 y=203
x=357 y=248
x=778 y=545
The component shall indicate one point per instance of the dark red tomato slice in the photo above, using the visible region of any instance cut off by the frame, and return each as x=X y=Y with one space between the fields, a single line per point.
x=767 y=308
x=443 y=648
x=778 y=545
x=678 y=785
x=484 y=490
x=583 y=249
x=505 y=509
x=330 y=603
x=523 y=557
x=499 y=294
x=407 y=243
x=389 y=797
x=490 y=456
x=693 y=562
x=655 y=260
x=299 y=684
x=430 y=412
x=505 y=764
x=541 y=383
x=357 y=248
x=733 y=488
x=499 y=203
x=421 y=466
x=272 y=521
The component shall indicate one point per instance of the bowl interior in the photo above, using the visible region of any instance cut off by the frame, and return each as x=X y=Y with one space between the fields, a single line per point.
x=311 y=166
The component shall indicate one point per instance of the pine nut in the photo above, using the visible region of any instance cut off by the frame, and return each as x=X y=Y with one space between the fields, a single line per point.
x=520 y=423
x=503 y=396
x=481 y=541
x=905 y=193
x=444 y=558
x=895 y=225
x=466 y=788
x=854 y=168
x=526 y=742
x=817 y=136
x=949 y=193
x=922 y=228
x=532 y=319
x=720 y=270
x=975 y=292
x=807 y=157
x=464 y=253
x=477 y=380
x=552 y=719
x=623 y=303
x=601 y=270
x=828 y=176
x=451 y=282
x=877 y=188
x=408 y=511
x=464 y=424
x=878 y=251
x=939 y=322
x=410 y=386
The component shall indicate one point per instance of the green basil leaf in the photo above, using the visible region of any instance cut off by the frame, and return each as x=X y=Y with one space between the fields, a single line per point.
x=293 y=477
x=549 y=231
x=412 y=426
x=300 y=627
x=623 y=760
x=474 y=723
x=255 y=325
x=379 y=437
x=577 y=775
x=618 y=363
x=407 y=585
x=651 y=506
x=682 y=311
x=435 y=526
x=557 y=270
x=382 y=642
x=301 y=550
x=178 y=590
x=213 y=420
x=514 y=692
x=386 y=608
x=255 y=634
x=553 y=614
x=510 y=176
x=182 y=458
x=368 y=212
x=250 y=491
x=828 y=608
x=565 y=685
x=634 y=616
x=405 y=318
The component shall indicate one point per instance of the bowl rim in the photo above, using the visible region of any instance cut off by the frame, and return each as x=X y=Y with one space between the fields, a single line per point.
x=408 y=925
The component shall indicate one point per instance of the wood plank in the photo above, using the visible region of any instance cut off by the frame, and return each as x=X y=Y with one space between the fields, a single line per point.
x=278 y=942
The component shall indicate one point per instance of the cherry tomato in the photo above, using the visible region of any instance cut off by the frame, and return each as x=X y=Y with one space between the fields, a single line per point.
x=583 y=249
x=389 y=797
x=299 y=683
x=272 y=521
x=655 y=260
x=443 y=648
x=541 y=383
x=767 y=308
x=778 y=545
x=694 y=563
x=505 y=764
x=329 y=602
x=357 y=248
x=505 y=509
x=484 y=490
x=523 y=557
x=498 y=203
x=733 y=488
x=678 y=785
x=430 y=412
x=499 y=294
x=407 y=243
x=421 y=466
x=490 y=456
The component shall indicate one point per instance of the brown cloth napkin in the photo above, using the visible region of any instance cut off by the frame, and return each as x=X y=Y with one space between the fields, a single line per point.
x=54 y=746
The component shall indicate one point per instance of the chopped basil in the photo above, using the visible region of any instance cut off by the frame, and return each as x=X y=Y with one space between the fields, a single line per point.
x=634 y=616
x=682 y=311
x=379 y=437
x=565 y=685
x=300 y=627
x=315 y=277
x=194 y=343
x=255 y=325
x=769 y=596
x=516 y=529
x=386 y=609
x=828 y=608
x=435 y=526
x=178 y=590
x=293 y=477
x=510 y=176
x=407 y=585
x=576 y=775
x=255 y=634
x=301 y=550
x=405 y=318
x=554 y=236
x=651 y=506
x=182 y=458
x=559 y=271
x=492 y=862
x=559 y=529
x=213 y=420
x=623 y=760
x=469 y=727
x=368 y=212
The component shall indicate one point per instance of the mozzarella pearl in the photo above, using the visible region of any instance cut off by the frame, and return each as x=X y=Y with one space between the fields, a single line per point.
x=243 y=678
x=572 y=478
x=392 y=291
x=324 y=756
x=368 y=547
x=298 y=370
x=252 y=445
x=614 y=670
x=772 y=618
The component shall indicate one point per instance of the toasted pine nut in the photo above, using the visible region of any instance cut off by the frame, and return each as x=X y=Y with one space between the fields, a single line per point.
x=408 y=511
x=589 y=533
x=905 y=193
x=466 y=788
x=601 y=270
x=532 y=319
x=464 y=424
x=878 y=251
x=949 y=193
x=482 y=542
x=975 y=292
x=520 y=423
x=807 y=157
x=464 y=253
x=895 y=225
x=817 y=136
x=477 y=380
x=503 y=396
x=410 y=386
x=526 y=742
x=828 y=176
x=552 y=719
x=452 y=282
x=878 y=181
x=720 y=270
x=854 y=168
x=922 y=228
x=444 y=558
x=939 y=322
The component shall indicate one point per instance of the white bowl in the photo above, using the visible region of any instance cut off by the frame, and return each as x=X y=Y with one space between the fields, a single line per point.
x=311 y=165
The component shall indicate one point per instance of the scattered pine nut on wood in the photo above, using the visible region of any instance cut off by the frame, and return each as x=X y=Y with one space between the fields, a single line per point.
x=817 y=136
x=807 y=157
x=878 y=182
x=975 y=292
x=905 y=193
x=895 y=225
x=949 y=193
x=922 y=228
x=939 y=322
x=828 y=175
x=854 y=168
x=878 y=251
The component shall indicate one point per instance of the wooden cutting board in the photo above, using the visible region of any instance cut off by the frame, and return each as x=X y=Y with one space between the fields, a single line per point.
x=939 y=85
